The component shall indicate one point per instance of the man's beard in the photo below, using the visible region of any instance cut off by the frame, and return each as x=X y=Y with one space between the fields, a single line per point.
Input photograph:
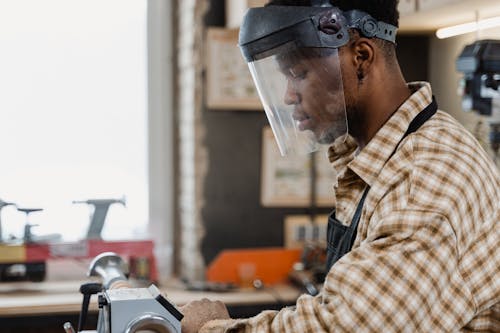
x=352 y=126
x=333 y=132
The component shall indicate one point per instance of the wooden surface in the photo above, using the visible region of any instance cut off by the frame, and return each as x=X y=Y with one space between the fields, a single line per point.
x=52 y=298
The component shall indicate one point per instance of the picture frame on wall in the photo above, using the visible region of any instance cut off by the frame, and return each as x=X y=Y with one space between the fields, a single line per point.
x=229 y=83
x=303 y=229
x=286 y=181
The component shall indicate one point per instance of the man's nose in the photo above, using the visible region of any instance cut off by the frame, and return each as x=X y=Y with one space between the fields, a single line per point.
x=292 y=96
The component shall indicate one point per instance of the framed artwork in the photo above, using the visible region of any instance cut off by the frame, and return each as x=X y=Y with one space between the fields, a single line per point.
x=301 y=229
x=229 y=83
x=286 y=181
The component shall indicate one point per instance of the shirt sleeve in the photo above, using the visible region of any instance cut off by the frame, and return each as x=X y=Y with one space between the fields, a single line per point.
x=403 y=278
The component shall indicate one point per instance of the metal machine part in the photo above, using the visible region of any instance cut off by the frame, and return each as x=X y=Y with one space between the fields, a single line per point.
x=123 y=308
x=28 y=236
x=29 y=271
x=33 y=270
x=149 y=322
x=110 y=267
x=101 y=207
x=479 y=88
x=2 y=205
x=135 y=309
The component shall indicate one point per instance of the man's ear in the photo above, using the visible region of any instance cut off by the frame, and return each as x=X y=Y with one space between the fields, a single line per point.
x=363 y=56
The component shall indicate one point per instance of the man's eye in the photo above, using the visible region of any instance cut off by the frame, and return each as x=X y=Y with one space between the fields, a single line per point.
x=297 y=74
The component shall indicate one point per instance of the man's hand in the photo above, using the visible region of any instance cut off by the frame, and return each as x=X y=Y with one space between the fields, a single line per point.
x=197 y=313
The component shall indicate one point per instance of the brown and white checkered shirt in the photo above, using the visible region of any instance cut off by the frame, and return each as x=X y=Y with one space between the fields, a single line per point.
x=427 y=253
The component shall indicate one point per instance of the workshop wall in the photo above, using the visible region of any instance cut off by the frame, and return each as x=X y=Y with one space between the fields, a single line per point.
x=192 y=156
x=445 y=78
x=232 y=214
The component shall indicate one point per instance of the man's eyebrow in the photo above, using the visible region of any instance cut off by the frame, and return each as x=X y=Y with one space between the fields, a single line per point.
x=285 y=67
x=286 y=62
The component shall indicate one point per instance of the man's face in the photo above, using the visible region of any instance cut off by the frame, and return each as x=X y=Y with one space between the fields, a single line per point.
x=314 y=89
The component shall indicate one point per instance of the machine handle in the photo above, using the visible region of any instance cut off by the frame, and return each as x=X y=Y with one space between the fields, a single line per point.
x=68 y=328
x=110 y=267
x=87 y=289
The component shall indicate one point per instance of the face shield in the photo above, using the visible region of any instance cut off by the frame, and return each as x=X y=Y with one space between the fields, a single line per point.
x=302 y=94
x=292 y=53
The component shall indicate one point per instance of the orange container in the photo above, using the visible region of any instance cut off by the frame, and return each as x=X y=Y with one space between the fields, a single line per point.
x=242 y=266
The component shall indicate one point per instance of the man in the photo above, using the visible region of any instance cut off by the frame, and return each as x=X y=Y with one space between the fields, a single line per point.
x=414 y=240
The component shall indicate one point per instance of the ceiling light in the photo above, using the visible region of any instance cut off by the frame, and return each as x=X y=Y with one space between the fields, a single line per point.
x=468 y=27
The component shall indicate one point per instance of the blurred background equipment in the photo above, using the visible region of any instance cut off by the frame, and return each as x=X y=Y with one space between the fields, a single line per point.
x=2 y=205
x=28 y=236
x=13 y=263
x=101 y=207
x=123 y=308
x=25 y=258
x=480 y=64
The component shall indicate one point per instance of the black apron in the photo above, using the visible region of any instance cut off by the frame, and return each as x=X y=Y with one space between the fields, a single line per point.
x=340 y=238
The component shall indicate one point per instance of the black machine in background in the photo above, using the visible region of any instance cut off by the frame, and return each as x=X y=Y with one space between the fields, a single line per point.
x=480 y=64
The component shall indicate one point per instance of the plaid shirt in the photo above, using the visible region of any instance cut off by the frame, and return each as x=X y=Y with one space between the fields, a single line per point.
x=427 y=253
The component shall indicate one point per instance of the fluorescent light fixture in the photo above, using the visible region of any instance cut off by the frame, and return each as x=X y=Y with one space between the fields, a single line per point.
x=468 y=27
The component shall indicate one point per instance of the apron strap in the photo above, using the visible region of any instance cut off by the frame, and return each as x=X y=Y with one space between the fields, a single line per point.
x=345 y=242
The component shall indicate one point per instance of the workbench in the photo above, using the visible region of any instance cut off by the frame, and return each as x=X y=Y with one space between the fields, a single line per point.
x=45 y=306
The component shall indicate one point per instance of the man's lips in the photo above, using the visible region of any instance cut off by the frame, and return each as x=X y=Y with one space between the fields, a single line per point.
x=304 y=122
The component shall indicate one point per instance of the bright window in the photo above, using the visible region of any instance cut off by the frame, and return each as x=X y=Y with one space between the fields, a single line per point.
x=73 y=114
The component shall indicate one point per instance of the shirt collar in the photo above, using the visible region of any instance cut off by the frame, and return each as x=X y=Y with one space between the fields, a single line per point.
x=370 y=160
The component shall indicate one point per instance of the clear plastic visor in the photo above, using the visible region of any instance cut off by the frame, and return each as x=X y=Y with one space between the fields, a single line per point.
x=302 y=94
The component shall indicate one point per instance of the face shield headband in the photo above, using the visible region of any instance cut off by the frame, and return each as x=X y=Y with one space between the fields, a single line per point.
x=292 y=53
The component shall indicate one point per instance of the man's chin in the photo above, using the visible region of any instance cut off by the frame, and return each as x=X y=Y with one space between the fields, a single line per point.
x=329 y=137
